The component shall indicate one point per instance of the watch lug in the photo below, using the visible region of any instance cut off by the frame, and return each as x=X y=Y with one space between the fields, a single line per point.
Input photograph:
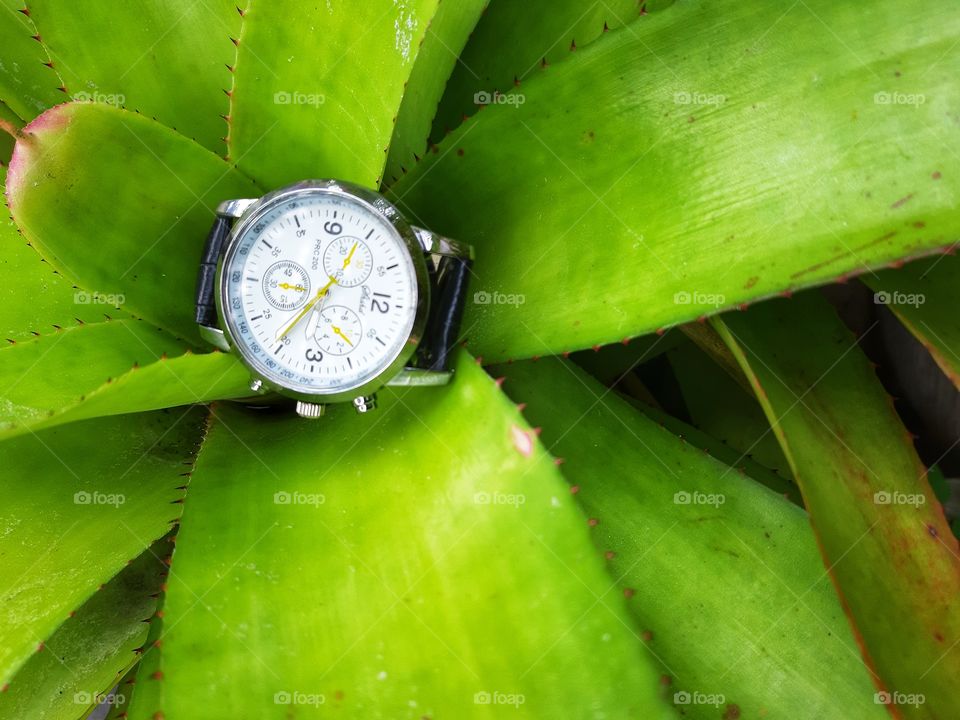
x=434 y=244
x=365 y=403
x=215 y=336
x=235 y=208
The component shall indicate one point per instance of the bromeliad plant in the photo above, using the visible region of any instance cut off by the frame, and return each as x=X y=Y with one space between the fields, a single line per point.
x=739 y=528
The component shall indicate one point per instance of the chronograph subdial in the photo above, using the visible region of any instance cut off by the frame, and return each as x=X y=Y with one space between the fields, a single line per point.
x=286 y=285
x=338 y=330
x=348 y=259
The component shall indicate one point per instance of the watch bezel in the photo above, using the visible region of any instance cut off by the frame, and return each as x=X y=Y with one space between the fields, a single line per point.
x=372 y=201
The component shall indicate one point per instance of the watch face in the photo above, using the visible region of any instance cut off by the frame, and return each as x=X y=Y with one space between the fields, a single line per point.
x=319 y=292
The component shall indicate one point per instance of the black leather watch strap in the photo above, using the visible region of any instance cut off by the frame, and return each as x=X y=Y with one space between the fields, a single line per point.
x=449 y=296
x=206 y=302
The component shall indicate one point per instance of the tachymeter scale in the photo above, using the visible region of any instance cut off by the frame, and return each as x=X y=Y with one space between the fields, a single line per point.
x=286 y=327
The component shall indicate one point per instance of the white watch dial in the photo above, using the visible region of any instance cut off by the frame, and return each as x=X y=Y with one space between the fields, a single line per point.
x=320 y=293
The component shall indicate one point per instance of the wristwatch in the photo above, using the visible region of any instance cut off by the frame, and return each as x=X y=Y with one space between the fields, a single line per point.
x=326 y=293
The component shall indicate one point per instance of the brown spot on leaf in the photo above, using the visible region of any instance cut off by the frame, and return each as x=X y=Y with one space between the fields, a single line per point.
x=732 y=713
x=902 y=201
x=751 y=282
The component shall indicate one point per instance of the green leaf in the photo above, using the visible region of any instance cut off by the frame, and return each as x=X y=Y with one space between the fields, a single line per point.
x=882 y=532
x=413 y=564
x=446 y=35
x=513 y=40
x=70 y=359
x=722 y=452
x=118 y=708
x=318 y=96
x=107 y=368
x=732 y=163
x=167 y=59
x=612 y=364
x=925 y=296
x=50 y=371
x=87 y=655
x=720 y=407
x=80 y=502
x=127 y=219
x=146 y=685
x=34 y=298
x=9 y=125
x=27 y=86
x=721 y=574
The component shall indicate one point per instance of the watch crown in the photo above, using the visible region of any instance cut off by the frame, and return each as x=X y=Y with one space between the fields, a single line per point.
x=256 y=385
x=309 y=410
x=365 y=403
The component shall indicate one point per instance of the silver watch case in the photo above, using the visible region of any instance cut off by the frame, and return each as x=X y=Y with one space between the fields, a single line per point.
x=374 y=202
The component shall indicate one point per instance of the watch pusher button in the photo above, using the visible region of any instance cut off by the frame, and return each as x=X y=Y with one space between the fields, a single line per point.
x=310 y=410
x=365 y=403
x=256 y=385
